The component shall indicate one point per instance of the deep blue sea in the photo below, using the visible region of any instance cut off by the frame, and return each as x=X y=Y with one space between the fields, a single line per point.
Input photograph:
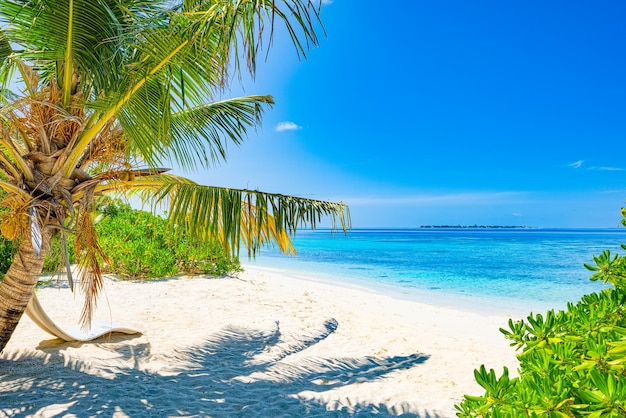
x=505 y=271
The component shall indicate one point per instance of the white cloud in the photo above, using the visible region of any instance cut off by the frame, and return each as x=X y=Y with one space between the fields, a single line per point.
x=606 y=168
x=287 y=126
x=579 y=164
x=327 y=1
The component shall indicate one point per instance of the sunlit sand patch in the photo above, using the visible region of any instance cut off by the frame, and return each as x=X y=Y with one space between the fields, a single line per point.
x=258 y=344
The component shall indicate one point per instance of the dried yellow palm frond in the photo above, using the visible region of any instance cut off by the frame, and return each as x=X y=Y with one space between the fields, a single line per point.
x=41 y=123
x=12 y=156
x=14 y=218
x=251 y=230
x=89 y=255
x=15 y=127
x=55 y=127
x=63 y=129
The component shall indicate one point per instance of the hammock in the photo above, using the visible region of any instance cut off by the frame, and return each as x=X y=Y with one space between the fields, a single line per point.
x=98 y=328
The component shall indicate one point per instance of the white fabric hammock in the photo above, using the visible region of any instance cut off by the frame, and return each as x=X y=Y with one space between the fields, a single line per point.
x=98 y=328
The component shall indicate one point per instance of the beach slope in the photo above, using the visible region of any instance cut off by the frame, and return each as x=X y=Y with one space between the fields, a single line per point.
x=259 y=343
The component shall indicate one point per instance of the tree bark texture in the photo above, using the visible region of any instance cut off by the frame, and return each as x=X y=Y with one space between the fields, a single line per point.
x=18 y=286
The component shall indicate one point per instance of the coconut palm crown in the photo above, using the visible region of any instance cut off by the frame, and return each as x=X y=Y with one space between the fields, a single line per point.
x=112 y=91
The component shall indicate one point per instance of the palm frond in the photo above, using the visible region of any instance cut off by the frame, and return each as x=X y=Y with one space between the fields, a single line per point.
x=243 y=24
x=6 y=69
x=228 y=216
x=89 y=255
x=120 y=181
x=208 y=127
x=5 y=48
x=68 y=71
x=254 y=235
x=140 y=126
x=14 y=218
x=8 y=168
x=145 y=119
x=13 y=153
x=78 y=36
x=30 y=78
x=15 y=190
x=235 y=216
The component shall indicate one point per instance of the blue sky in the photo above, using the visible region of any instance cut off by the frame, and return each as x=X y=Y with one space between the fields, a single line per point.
x=448 y=112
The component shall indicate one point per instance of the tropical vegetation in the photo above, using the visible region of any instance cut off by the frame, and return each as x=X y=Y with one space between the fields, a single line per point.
x=7 y=251
x=99 y=97
x=138 y=247
x=572 y=362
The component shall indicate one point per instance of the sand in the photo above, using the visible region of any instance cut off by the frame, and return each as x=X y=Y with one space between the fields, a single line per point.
x=259 y=343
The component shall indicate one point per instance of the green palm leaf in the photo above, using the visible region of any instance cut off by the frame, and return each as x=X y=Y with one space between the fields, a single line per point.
x=81 y=35
x=232 y=216
x=209 y=127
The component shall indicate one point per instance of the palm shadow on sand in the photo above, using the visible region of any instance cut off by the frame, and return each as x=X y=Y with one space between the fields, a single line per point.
x=237 y=372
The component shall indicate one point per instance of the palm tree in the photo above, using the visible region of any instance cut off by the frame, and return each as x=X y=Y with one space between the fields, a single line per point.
x=111 y=91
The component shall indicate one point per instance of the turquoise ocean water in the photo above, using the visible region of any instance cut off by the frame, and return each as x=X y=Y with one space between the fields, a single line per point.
x=504 y=271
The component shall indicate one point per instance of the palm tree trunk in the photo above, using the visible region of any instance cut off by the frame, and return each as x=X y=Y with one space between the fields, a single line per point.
x=18 y=285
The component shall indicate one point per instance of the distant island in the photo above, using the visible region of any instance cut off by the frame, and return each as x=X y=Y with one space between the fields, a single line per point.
x=477 y=226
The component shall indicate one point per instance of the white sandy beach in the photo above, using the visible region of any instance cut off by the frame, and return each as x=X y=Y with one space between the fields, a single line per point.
x=259 y=344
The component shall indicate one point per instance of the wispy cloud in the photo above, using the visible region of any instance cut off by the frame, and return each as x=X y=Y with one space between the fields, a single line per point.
x=579 y=164
x=327 y=1
x=287 y=126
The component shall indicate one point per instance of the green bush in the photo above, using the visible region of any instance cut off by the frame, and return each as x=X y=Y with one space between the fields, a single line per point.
x=7 y=251
x=137 y=246
x=572 y=363
x=55 y=259
x=133 y=243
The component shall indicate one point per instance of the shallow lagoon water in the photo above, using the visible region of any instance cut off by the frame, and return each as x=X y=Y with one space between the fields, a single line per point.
x=511 y=271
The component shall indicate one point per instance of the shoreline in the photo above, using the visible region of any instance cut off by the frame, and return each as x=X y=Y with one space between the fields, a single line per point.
x=510 y=272
x=488 y=306
x=252 y=344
